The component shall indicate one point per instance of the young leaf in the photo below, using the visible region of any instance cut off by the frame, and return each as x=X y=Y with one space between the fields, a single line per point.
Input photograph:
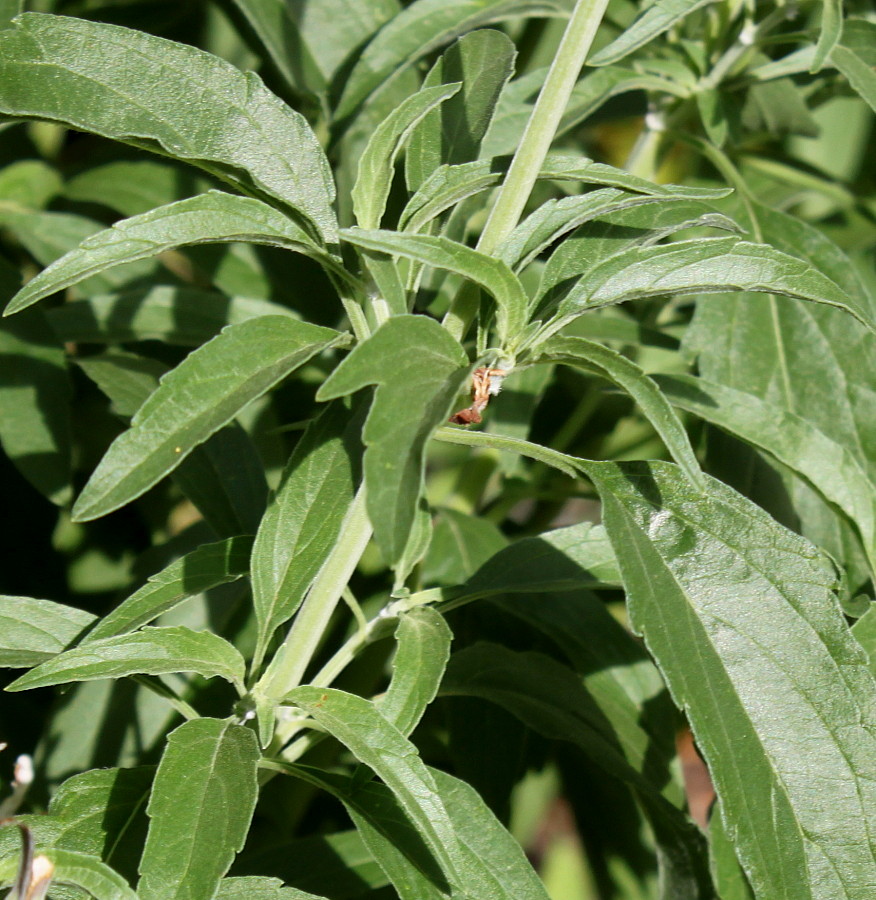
x=200 y=809
x=198 y=571
x=194 y=401
x=421 y=28
x=483 y=61
x=32 y=631
x=214 y=217
x=377 y=163
x=185 y=316
x=304 y=518
x=423 y=650
x=791 y=439
x=654 y=20
x=489 y=273
x=708 y=265
x=81 y=73
x=419 y=369
x=609 y=364
x=77 y=870
x=786 y=647
x=358 y=724
x=151 y=651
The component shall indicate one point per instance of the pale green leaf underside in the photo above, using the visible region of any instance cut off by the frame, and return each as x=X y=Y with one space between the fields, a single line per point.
x=102 y=78
x=204 y=568
x=32 y=631
x=763 y=632
x=213 y=217
x=194 y=401
x=151 y=651
x=200 y=809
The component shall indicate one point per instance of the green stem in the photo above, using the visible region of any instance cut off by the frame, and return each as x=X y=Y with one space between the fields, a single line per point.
x=288 y=666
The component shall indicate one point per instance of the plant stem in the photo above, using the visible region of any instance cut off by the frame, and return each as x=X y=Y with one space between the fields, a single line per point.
x=288 y=666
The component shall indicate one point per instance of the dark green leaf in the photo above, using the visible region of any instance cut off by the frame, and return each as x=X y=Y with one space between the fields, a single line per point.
x=483 y=61
x=214 y=217
x=151 y=651
x=419 y=369
x=423 y=650
x=730 y=880
x=762 y=632
x=84 y=74
x=194 y=401
x=198 y=571
x=200 y=809
x=304 y=518
x=32 y=631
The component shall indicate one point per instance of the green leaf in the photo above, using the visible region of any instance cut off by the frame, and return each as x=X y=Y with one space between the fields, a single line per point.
x=797 y=443
x=421 y=28
x=373 y=740
x=418 y=369
x=195 y=400
x=730 y=880
x=28 y=183
x=779 y=671
x=864 y=631
x=460 y=545
x=483 y=61
x=377 y=163
x=609 y=364
x=489 y=273
x=423 y=650
x=79 y=870
x=304 y=518
x=82 y=73
x=707 y=265
x=194 y=573
x=151 y=651
x=656 y=18
x=174 y=315
x=35 y=630
x=200 y=809
x=9 y=9
x=35 y=397
x=214 y=217
x=859 y=74
x=830 y=34
x=257 y=887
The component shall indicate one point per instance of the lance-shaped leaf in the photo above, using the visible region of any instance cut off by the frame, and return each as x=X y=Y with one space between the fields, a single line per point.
x=483 y=61
x=195 y=400
x=78 y=870
x=301 y=523
x=730 y=880
x=377 y=163
x=257 y=887
x=421 y=28
x=831 y=31
x=32 y=631
x=101 y=78
x=373 y=740
x=423 y=650
x=151 y=651
x=208 y=566
x=491 y=274
x=739 y=615
x=200 y=809
x=656 y=18
x=606 y=363
x=419 y=369
x=792 y=439
x=214 y=217
x=854 y=57
x=709 y=265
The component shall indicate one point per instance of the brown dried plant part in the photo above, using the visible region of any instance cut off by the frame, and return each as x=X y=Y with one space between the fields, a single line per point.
x=485 y=383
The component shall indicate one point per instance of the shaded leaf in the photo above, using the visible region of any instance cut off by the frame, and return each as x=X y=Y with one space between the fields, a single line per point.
x=730 y=880
x=194 y=401
x=79 y=870
x=830 y=34
x=419 y=369
x=32 y=631
x=151 y=651
x=785 y=647
x=204 y=568
x=200 y=809
x=80 y=73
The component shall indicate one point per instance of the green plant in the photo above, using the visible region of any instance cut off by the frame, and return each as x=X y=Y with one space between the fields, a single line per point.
x=254 y=368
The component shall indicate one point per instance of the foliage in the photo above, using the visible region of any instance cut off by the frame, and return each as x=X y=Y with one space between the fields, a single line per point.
x=308 y=606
